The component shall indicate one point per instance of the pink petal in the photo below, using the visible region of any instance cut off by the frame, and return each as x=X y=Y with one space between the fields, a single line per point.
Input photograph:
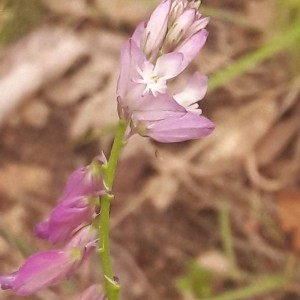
x=6 y=281
x=131 y=58
x=191 y=46
x=186 y=19
x=197 y=26
x=75 y=184
x=169 y=65
x=187 y=127
x=194 y=90
x=182 y=24
x=137 y=35
x=83 y=183
x=156 y=27
x=85 y=238
x=41 y=230
x=42 y=270
x=68 y=216
x=157 y=108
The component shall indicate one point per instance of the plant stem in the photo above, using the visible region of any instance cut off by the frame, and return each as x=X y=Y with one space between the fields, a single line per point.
x=260 y=286
x=111 y=287
x=226 y=235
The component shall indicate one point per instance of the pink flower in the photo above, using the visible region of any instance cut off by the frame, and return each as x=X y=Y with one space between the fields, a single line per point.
x=85 y=180
x=76 y=206
x=138 y=72
x=139 y=76
x=40 y=270
x=65 y=218
x=171 y=28
x=150 y=36
x=185 y=20
x=44 y=269
x=153 y=57
x=154 y=77
x=164 y=120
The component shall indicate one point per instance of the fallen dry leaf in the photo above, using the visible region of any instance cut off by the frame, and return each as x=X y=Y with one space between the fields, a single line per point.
x=38 y=59
x=289 y=215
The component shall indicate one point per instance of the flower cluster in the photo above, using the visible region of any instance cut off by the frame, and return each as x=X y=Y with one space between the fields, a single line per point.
x=158 y=51
x=69 y=228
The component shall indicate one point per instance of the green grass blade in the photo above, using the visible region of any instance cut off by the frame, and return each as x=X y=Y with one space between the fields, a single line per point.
x=260 y=286
x=279 y=43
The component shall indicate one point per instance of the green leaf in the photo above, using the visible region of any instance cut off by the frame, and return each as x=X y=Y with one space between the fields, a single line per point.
x=198 y=281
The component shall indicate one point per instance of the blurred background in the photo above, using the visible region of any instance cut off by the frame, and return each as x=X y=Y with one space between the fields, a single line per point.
x=214 y=219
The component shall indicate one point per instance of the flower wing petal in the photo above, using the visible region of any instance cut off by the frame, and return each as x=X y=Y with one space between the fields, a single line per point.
x=194 y=90
x=191 y=46
x=169 y=65
x=41 y=270
x=187 y=127
x=131 y=58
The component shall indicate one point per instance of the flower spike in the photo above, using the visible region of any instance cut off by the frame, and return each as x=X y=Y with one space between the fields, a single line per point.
x=158 y=52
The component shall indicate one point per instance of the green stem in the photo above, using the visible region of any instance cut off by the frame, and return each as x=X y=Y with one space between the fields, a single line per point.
x=111 y=287
x=226 y=235
x=260 y=286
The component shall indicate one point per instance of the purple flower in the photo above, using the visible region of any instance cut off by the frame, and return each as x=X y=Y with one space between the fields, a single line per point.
x=149 y=60
x=76 y=206
x=42 y=229
x=44 y=269
x=139 y=77
x=171 y=26
x=85 y=180
x=164 y=120
x=150 y=36
x=66 y=217
x=39 y=271
x=154 y=77
x=184 y=21
x=94 y=292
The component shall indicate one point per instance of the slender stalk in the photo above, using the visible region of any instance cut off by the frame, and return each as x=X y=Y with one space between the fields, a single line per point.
x=262 y=285
x=226 y=235
x=111 y=287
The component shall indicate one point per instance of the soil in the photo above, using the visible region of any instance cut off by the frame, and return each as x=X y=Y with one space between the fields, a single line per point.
x=168 y=198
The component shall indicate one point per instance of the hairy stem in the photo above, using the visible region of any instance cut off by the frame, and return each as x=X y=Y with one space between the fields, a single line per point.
x=111 y=286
